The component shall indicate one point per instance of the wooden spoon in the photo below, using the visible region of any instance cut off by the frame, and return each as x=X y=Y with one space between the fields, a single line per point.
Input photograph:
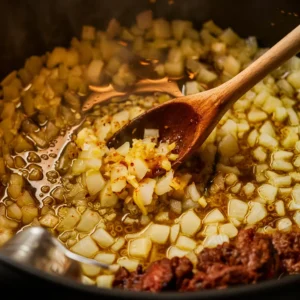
x=188 y=120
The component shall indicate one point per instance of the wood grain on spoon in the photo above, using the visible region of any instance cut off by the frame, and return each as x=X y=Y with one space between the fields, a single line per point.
x=188 y=120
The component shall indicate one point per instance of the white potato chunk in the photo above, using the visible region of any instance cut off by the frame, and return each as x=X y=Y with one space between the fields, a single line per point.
x=140 y=248
x=85 y=247
x=103 y=238
x=190 y=223
x=185 y=243
x=89 y=220
x=159 y=233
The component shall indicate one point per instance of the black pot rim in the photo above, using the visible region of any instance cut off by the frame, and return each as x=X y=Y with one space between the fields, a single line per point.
x=264 y=286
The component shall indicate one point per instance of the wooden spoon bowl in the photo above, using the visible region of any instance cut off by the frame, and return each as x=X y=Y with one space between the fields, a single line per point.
x=188 y=120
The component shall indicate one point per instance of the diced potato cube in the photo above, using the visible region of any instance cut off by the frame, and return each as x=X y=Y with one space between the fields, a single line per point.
x=6 y=224
x=229 y=37
x=279 y=207
x=210 y=229
x=103 y=238
x=29 y=212
x=120 y=242
x=105 y=281
x=49 y=221
x=94 y=181
x=257 y=213
x=267 y=141
x=159 y=233
x=296 y=194
x=190 y=223
x=260 y=154
x=144 y=193
x=271 y=104
x=257 y=115
x=215 y=240
x=294 y=79
x=89 y=220
x=268 y=192
x=174 y=233
x=293 y=117
x=284 y=225
x=139 y=168
x=90 y=270
x=228 y=146
x=185 y=243
x=237 y=209
x=231 y=65
x=193 y=192
x=280 y=114
x=140 y=248
x=163 y=184
x=85 y=247
x=296 y=218
x=214 y=216
x=70 y=220
x=107 y=197
x=161 y=29
x=14 y=212
x=228 y=229
x=252 y=138
x=106 y=258
x=129 y=264
x=174 y=251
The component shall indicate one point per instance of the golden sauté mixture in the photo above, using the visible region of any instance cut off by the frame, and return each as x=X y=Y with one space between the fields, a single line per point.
x=102 y=203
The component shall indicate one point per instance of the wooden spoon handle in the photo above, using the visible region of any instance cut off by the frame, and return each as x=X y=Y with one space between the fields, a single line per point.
x=272 y=59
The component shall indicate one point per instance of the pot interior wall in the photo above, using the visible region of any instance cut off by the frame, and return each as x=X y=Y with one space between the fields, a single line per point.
x=32 y=27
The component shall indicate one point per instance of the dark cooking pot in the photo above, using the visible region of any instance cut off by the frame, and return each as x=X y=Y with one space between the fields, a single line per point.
x=31 y=27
